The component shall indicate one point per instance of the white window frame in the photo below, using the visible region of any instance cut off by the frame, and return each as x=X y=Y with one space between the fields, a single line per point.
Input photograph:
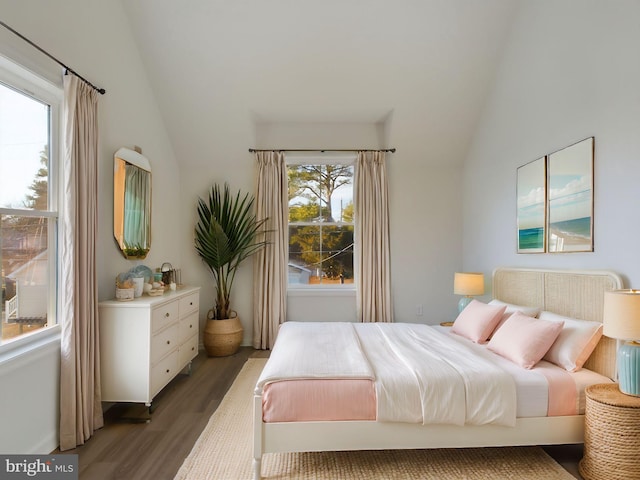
x=328 y=158
x=24 y=81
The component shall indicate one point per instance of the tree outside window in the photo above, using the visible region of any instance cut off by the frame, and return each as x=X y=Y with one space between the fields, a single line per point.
x=320 y=224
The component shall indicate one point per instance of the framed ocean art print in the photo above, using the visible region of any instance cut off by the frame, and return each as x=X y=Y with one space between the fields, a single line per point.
x=570 y=197
x=531 y=206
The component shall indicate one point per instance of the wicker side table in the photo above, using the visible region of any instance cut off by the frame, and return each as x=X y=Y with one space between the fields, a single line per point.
x=611 y=434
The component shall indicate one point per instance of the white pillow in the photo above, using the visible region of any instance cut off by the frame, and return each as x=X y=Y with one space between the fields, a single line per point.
x=528 y=311
x=524 y=340
x=576 y=341
x=477 y=321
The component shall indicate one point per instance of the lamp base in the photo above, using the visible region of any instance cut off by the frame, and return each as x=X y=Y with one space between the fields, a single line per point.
x=464 y=301
x=629 y=368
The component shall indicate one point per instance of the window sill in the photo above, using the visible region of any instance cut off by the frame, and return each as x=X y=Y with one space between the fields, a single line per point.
x=29 y=344
x=321 y=292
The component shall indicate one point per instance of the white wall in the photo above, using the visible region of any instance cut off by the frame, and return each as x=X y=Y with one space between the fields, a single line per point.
x=426 y=239
x=570 y=71
x=93 y=38
x=29 y=406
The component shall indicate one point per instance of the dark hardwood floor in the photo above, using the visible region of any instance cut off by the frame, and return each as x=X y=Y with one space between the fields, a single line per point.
x=135 y=444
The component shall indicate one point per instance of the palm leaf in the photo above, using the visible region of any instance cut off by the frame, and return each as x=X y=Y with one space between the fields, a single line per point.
x=226 y=233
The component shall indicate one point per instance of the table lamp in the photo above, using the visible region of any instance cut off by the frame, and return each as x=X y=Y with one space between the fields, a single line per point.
x=467 y=284
x=621 y=320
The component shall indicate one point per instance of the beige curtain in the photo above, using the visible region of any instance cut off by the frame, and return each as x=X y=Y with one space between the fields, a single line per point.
x=80 y=397
x=373 y=275
x=270 y=263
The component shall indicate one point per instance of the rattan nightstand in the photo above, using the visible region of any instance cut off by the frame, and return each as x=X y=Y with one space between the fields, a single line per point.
x=611 y=434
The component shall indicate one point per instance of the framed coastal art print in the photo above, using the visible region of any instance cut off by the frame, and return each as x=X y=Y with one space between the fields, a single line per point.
x=531 y=193
x=570 y=192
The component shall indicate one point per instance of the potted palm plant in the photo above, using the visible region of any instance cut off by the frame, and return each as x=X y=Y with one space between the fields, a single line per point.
x=226 y=233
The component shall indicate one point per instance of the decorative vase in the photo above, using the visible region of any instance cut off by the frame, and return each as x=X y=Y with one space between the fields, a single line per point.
x=138 y=286
x=223 y=337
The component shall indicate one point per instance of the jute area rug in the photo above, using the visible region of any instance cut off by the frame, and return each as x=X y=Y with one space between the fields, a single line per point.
x=224 y=452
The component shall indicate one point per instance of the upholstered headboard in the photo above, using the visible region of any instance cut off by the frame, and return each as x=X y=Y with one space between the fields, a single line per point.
x=572 y=293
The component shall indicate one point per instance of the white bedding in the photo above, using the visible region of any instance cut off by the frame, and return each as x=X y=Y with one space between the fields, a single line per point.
x=309 y=350
x=423 y=366
x=532 y=387
x=422 y=375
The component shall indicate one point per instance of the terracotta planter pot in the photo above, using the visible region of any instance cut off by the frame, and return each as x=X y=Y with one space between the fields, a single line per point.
x=223 y=337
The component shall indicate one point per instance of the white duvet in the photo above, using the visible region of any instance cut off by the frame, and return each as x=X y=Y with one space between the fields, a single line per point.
x=421 y=374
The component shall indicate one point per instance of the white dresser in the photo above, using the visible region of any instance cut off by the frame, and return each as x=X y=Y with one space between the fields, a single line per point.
x=146 y=342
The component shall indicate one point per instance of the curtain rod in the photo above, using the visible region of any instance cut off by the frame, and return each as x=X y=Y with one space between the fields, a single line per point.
x=101 y=91
x=386 y=150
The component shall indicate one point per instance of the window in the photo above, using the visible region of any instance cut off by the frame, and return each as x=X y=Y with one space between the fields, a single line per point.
x=321 y=224
x=28 y=207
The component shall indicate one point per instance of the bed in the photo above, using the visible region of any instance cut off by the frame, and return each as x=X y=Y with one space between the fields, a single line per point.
x=575 y=294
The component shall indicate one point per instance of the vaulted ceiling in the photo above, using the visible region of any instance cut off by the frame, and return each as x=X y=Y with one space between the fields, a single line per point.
x=422 y=68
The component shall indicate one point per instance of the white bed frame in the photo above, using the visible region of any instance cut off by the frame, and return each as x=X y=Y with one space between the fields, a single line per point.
x=573 y=293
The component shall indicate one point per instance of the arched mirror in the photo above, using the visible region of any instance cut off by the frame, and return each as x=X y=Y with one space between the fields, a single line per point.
x=132 y=202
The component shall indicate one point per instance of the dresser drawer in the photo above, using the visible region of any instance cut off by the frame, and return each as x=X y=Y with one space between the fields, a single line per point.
x=146 y=342
x=189 y=304
x=164 y=315
x=164 y=342
x=188 y=326
x=188 y=350
x=163 y=372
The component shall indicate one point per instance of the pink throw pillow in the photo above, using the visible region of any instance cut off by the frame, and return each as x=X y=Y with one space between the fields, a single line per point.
x=529 y=311
x=524 y=340
x=478 y=320
x=505 y=317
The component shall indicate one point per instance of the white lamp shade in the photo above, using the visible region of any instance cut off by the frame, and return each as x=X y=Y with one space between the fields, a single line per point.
x=621 y=316
x=469 y=284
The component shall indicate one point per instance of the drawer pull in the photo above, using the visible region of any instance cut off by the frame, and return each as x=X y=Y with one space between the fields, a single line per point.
x=167 y=370
x=193 y=348
x=190 y=326
x=167 y=314
x=168 y=342
x=191 y=303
